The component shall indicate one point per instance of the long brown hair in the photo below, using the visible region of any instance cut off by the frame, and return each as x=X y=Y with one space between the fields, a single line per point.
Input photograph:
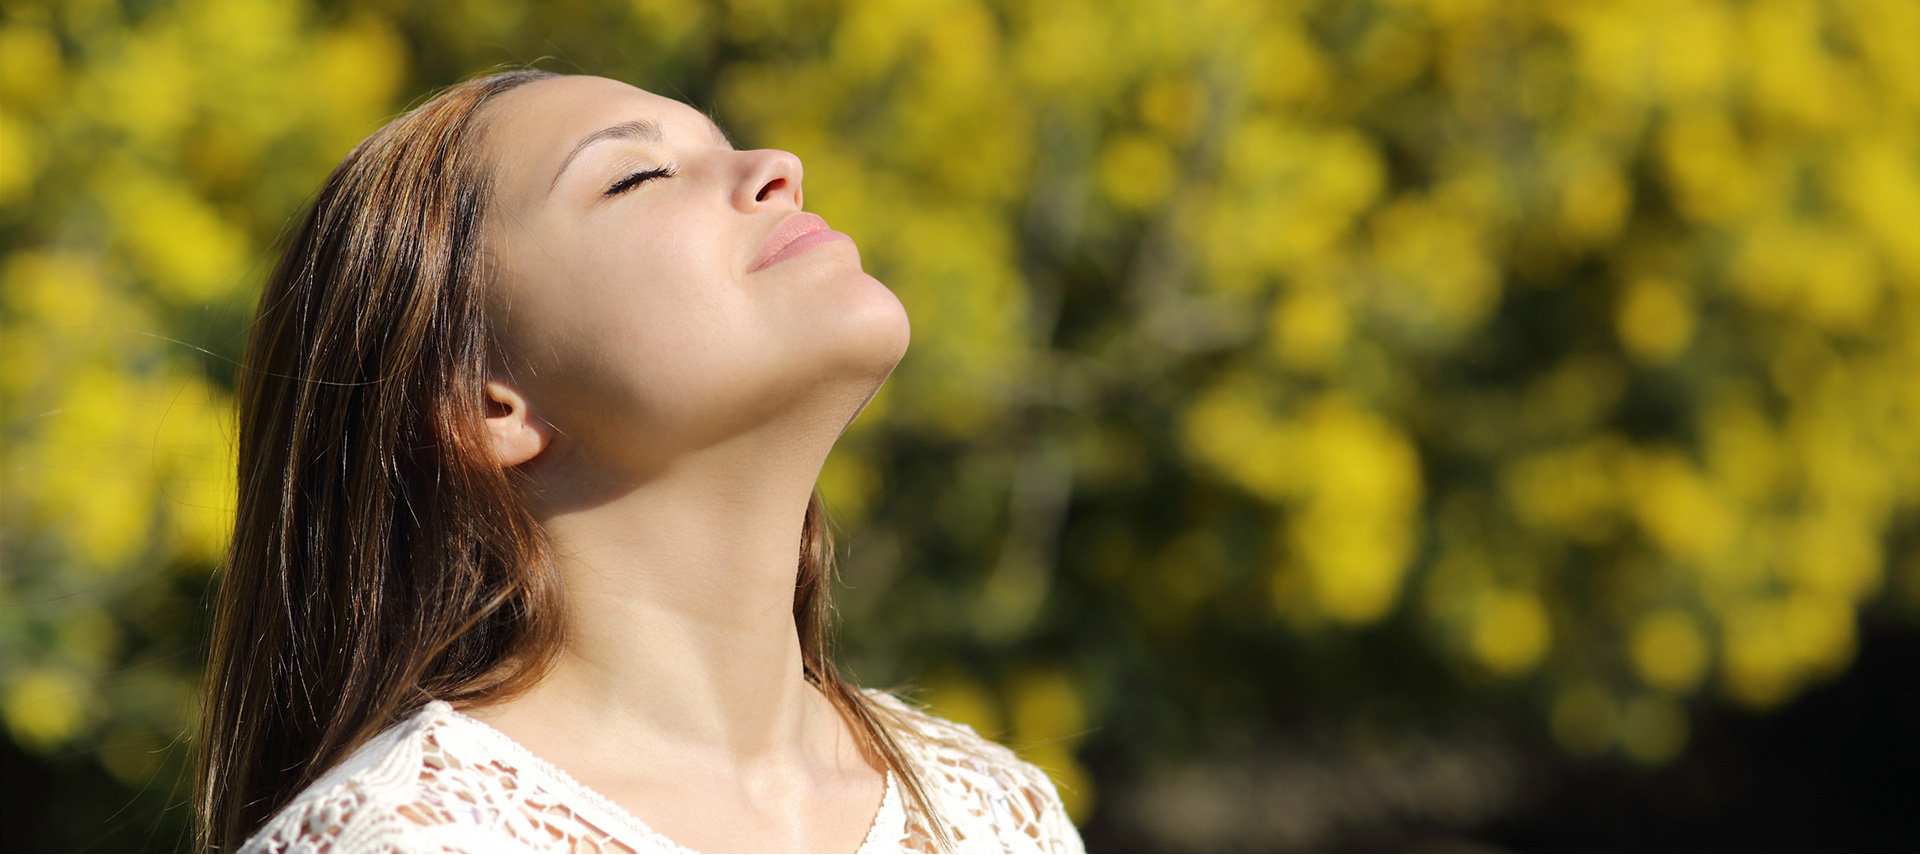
x=381 y=558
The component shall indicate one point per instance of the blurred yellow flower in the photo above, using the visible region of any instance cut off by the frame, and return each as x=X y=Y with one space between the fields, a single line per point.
x=848 y=484
x=1691 y=51
x=92 y=469
x=1712 y=175
x=1510 y=633
x=1174 y=107
x=1359 y=488
x=1441 y=282
x=356 y=70
x=1229 y=429
x=1669 y=651
x=1834 y=555
x=1286 y=68
x=1773 y=645
x=1572 y=492
x=1743 y=451
x=1678 y=509
x=1046 y=706
x=1136 y=171
x=952 y=694
x=1876 y=178
x=1654 y=319
x=44 y=707
x=1310 y=327
x=190 y=250
x=1594 y=200
x=19 y=163
x=32 y=71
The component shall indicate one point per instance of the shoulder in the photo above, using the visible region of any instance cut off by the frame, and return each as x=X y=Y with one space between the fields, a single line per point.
x=979 y=785
x=413 y=788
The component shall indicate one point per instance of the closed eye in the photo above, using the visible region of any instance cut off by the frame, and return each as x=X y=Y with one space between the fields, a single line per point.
x=635 y=179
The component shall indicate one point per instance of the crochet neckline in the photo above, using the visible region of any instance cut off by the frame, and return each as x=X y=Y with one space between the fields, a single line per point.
x=882 y=822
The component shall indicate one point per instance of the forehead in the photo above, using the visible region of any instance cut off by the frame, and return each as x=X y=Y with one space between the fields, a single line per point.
x=531 y=129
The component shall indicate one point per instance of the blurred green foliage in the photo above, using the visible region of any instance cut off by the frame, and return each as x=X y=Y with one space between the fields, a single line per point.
x=1569 y=348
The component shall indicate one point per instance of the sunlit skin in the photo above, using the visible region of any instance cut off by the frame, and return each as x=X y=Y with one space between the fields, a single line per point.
x=670 y=409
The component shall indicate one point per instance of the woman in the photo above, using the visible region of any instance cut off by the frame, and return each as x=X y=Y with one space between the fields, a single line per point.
x=534 y=406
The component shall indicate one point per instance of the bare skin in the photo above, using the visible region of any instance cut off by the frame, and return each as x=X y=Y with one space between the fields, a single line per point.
x=671 y=406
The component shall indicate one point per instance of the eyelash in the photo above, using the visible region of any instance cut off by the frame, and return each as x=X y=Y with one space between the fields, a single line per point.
x=638 y=178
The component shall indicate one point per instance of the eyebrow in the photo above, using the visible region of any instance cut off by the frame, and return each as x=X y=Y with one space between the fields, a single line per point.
x=646 y=130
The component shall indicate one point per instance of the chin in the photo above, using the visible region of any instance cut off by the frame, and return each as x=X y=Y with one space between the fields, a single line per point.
x=867 y=331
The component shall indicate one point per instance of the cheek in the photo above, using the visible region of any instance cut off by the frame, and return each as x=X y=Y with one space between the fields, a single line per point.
x=673 y=323
x=643 y=332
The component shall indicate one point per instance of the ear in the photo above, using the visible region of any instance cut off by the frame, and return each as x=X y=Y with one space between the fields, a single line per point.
x=514 y=433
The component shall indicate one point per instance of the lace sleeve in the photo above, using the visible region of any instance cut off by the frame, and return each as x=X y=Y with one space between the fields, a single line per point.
x=346 y=818
x=989 y=799
x=1057 y=832
x=401 y=794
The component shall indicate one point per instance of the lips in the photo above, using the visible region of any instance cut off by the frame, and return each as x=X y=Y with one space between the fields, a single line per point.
x=794 y=235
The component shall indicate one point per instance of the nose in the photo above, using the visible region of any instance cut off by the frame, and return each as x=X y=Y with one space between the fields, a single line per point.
x=772 y=178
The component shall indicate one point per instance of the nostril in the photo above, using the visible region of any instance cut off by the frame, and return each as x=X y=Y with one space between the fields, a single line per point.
x=768 y=189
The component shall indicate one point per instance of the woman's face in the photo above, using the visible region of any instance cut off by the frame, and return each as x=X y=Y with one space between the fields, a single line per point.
x=642 y=298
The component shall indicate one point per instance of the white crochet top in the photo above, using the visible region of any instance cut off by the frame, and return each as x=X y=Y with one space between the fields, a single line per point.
x=441 y=781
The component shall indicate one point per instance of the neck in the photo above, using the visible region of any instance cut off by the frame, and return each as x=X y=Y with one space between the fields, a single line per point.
x=680 y=601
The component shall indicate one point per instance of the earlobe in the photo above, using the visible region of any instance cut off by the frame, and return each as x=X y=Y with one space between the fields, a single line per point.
x=514 y=434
